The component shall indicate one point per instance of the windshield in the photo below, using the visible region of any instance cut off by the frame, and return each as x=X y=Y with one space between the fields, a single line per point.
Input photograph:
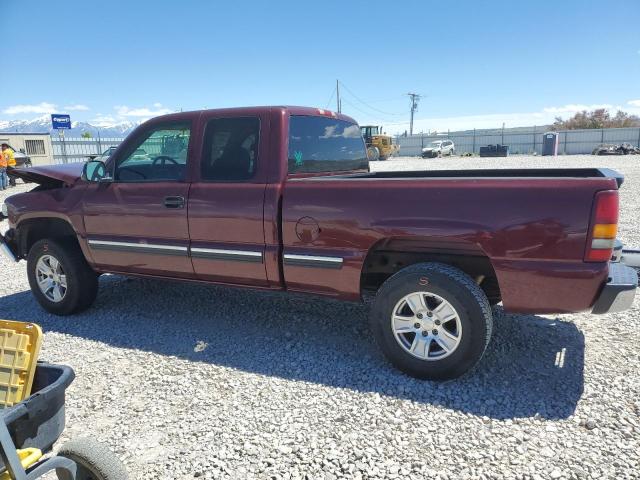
x=320 y=144
x=434 y=144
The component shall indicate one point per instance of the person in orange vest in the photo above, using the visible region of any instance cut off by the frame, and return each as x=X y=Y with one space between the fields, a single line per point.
x=4 y=180
x=10 y=163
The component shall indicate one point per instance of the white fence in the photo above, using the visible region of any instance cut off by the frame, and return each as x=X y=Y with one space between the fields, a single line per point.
x=70 y=150
x=519 y=140
x=523 y=140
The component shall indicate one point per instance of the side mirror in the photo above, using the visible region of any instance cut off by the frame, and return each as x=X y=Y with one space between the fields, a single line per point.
x=95 y=171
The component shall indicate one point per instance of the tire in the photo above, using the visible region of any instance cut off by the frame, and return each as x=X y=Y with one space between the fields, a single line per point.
x=433 y=282
x=373 y=154
x=94 y=461
x=81 y=281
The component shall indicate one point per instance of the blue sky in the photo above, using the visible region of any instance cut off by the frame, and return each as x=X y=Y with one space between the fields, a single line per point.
x=476 y=63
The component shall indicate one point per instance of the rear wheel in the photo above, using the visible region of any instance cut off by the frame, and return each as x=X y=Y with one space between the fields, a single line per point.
x=432 y=321
x=93 y=460
x=60 y=278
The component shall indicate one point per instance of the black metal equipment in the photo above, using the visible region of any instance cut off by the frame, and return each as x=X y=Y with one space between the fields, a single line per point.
x=494 y=151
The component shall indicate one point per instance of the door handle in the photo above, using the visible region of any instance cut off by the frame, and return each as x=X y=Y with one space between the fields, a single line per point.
x=174 y=202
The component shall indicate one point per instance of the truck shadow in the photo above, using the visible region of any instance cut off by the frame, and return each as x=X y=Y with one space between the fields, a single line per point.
x=533 y=366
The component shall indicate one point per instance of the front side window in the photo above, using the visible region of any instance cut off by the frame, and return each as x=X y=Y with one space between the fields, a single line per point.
x=230 y=149
x=320 y=144
x=160 y=156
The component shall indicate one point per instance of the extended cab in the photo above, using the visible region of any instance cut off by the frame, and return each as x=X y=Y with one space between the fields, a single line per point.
x=280 y=198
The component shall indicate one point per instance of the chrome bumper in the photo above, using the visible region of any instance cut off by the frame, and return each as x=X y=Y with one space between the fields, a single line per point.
x=618 y=293
x=5 y=248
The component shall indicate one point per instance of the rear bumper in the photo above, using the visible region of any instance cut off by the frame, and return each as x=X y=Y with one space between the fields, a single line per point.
x=619 y=291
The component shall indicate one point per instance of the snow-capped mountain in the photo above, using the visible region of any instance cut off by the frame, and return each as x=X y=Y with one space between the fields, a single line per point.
x=43 y=125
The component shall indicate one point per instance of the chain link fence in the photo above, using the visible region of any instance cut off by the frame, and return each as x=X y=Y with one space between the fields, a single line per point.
x=522 y=140
x=519 y=140
x=69 y=150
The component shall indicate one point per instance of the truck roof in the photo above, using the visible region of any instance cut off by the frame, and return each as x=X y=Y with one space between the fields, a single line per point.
x=290 y=109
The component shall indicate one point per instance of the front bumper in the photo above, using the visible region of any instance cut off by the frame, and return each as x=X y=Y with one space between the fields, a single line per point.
x=6 y=250
x=429 y=154
x=5 y=246
x=618 y=293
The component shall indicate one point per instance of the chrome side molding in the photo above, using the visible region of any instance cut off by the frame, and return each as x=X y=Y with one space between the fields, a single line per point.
x=226 y=254
x=195 y=252
x=138 y=247
x=317 y=261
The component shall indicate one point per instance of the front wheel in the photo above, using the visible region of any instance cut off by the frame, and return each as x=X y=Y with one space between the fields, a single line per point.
x=60 y=278
x=432 y=321
x=93 y=461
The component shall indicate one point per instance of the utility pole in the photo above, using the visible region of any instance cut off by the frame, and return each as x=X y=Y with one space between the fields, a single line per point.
x=338 y=95
x=415 y=98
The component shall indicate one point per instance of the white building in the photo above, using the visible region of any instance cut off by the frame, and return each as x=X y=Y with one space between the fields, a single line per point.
x=37 y=146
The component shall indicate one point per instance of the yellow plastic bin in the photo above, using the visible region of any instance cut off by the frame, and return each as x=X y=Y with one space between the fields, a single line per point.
x=20 y=344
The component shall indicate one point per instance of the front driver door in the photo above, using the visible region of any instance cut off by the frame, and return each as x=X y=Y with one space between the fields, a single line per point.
x=138 y=222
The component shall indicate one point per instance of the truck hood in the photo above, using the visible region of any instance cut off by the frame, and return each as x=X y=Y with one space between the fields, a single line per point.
x=48 y=174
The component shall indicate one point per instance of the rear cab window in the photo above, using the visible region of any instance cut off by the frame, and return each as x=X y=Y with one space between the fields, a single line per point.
x=321 y=144
x=230 y=149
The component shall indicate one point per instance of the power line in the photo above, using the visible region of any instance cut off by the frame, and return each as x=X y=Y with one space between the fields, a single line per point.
x=330 y=98
x=356 y=107
x=365 y=103
x=368 y=114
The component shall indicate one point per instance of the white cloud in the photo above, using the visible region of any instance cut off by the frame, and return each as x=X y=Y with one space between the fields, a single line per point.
x=350 y=132
x=103 y=120
x=77 y=107
x=635 y=103
x=575 y=108
x=43 y=107
x=125 y=111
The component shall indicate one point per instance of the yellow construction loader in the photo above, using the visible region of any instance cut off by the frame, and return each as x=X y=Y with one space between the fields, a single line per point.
x=379 y=145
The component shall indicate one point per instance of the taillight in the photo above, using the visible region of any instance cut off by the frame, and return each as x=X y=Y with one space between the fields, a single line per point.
x=604 y=227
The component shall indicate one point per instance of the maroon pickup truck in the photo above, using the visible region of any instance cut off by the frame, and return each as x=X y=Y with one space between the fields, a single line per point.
x=281 y=198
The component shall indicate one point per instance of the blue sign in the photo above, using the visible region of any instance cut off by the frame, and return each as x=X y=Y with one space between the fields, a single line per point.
x=60 y=122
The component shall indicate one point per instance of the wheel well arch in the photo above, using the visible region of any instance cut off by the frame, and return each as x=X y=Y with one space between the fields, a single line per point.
x=34 y=229
x=390 y=255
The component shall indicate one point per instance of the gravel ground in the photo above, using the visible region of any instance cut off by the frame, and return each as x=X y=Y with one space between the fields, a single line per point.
x=188 y=381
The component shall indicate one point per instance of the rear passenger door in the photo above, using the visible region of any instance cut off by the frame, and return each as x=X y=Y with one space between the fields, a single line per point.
x=227 y=198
